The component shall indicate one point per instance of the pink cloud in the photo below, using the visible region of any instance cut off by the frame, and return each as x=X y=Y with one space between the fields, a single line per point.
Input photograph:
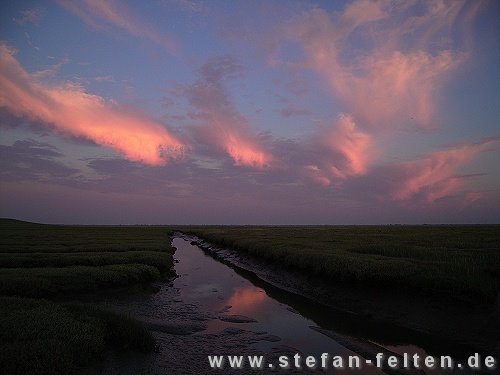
x=434 y=175
x=244 y=152
x=342 y=151
x=391 y=73
x=351 y=144
x=469 y=198
x=71 y=111
x=361 y=12
x=221 y=124
x=101 y=14
x=232 y=135
x=396 y=87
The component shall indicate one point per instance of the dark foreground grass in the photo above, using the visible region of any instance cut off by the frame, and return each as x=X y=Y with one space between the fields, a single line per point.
x=39 y=336
x=42 y=337
x=459 y=261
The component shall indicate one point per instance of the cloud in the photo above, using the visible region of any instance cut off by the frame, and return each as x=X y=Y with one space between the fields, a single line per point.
x=32 y=160
x=378 y=61
x=107 y=78
x=469 y=198
x=27 y=16
x=221 y=124
x=35 y=149
x=340 y=151
x=51 y=71
x=71 y=111
x=293 y=111
x=30 y=42
x=433 y=176
x=189 y=5
x=100 y=14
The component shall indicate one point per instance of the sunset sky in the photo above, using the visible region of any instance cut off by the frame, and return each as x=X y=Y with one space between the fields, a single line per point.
x=250 y=112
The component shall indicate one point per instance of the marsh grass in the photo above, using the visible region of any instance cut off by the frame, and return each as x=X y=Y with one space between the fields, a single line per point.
x=49 y=281
x=43 y=337
x=39 y=336
x=23 y=237
x=39 y=260
x=460 y=261
x=30 y=260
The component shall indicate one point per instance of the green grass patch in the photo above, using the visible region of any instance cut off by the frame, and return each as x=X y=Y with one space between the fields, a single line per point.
x=43 y=337
x=460 y=261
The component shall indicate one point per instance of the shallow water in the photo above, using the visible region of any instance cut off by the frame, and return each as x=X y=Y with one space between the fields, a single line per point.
x=214 y=309
x=215 y=287
x=218 y=288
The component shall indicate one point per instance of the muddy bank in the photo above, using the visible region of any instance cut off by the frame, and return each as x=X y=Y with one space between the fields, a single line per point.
x=180 y=332
x=191 y=317
x=390 y=318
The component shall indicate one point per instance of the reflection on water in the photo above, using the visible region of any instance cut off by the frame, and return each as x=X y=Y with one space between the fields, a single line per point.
x=224 y=291
x=218 y=288
x=246 y=299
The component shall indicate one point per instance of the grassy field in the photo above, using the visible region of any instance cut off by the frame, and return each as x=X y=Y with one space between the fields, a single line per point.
x=43 y=337
x=42 y=262
x=43 y=265
x=459 y=261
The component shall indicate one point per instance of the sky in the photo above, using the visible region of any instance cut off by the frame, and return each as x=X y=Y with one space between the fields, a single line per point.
x=250 y=112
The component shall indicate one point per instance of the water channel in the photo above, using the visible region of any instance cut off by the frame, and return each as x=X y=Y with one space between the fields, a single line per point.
x=214 y=309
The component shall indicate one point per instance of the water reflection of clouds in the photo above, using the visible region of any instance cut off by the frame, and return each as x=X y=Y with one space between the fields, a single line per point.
x=246 y=299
